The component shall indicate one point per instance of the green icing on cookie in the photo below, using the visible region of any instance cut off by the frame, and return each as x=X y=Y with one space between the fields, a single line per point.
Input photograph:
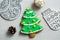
x=29 y=13
x=30 y=21
x=28 y=9
x=31 y=29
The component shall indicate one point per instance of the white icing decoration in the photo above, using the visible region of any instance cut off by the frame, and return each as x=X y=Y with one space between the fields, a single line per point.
x=29 y=17
x=33 y=23
x=32 y=32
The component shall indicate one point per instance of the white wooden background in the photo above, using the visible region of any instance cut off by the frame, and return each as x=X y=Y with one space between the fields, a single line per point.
x=46 y=34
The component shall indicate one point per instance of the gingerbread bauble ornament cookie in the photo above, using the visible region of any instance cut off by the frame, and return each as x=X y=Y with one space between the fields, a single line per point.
x=39 y=3
x=13 y=11
x=11 y=14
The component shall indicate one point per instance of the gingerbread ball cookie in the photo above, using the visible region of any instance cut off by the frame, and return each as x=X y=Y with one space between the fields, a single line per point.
x=39 y=3
x=10 y=9
x=11 y=14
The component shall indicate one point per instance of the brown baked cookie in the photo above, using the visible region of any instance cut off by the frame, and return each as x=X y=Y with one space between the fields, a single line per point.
x=32 y=35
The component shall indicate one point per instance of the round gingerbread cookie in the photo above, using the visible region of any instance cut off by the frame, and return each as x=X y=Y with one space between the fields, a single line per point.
x=11 y=13
x=10 y=9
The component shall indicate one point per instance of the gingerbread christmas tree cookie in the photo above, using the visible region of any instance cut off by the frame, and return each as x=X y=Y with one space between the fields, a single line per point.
x=30 y=23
